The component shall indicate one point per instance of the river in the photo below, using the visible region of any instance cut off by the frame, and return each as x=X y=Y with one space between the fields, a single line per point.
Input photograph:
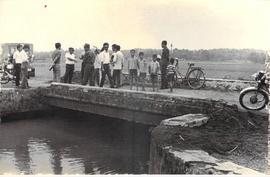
x=67 y=142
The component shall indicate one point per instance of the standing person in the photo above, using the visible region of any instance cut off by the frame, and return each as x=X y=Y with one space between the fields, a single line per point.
x=70 y=65
x=133 y=66
x=117 y=65
x=56 y=56
x=153 y=70
x=164 y=63
x=105 y=65
x=97 y=66
x=25 y=66
x=89 y=70
x=19 y=56
x=142 y=69
x=171 y=74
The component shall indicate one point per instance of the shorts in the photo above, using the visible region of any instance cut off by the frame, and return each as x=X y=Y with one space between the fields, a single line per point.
x=171 y=77
x=154 y=77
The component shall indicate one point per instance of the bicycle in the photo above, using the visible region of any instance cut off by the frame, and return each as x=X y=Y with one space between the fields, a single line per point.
x=194 y=77
x=7 y=73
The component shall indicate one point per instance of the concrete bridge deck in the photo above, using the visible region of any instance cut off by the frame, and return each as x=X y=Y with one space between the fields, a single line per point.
x=144 y=107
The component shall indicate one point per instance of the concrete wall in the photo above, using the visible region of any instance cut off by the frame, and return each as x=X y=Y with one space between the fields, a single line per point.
x=144 y=107
x=18 y=101
x=182 y=145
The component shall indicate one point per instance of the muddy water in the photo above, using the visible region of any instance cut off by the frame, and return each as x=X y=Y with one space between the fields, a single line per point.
x=73 y=143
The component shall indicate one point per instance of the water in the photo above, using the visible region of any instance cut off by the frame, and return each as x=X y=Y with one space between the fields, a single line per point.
x=73 y=143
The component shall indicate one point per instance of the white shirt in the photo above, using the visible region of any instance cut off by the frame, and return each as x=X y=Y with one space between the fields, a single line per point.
x=20 y=56
x=118 y=60
x=105 y=57
x=68 y=61
x=97 y=63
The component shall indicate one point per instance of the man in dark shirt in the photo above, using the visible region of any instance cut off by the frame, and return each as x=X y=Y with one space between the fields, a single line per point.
x=56 y=56
x=88 y=62
x=164 y=63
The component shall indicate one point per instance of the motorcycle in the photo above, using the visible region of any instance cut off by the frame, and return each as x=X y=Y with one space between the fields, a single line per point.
x=7 y=73
x=256 y=98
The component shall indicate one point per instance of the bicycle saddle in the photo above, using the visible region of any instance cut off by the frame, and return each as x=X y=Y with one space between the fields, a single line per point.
x=191 y=64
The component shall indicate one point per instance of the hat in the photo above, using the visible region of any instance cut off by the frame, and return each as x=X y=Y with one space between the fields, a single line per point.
x=158 y=56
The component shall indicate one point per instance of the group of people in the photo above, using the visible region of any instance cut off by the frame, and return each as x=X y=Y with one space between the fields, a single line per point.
x=21 y=59
x=96 y=61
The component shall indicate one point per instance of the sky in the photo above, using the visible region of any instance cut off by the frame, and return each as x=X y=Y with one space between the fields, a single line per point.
x=188 y=24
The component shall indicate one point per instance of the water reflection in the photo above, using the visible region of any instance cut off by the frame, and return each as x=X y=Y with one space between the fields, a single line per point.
x=73 y=143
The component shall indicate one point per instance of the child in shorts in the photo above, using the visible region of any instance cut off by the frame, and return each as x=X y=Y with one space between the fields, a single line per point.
x=171 y=74
x=153 y=70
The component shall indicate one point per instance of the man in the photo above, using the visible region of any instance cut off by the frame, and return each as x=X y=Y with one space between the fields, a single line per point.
x=117 y=65
x=24 y=67
x=70 y=65
x=19 y=56
x=97 y=66
x=105 y=65
x=56 y=56
x=164 y=63
x=133 y=66
x=88 y=62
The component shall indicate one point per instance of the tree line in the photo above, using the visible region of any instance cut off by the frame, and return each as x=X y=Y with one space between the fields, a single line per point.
x=213 y=55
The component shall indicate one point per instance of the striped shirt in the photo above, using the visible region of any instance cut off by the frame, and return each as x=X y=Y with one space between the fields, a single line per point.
x=170 y=69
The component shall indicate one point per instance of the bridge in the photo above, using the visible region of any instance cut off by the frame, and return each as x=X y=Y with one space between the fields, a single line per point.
x=137 y=106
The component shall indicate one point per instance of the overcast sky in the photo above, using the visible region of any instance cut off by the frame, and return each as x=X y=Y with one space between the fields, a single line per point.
x=190 y=24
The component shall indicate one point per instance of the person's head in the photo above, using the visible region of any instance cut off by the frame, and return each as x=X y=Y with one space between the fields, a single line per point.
x=132 y=52
x=164 y=44
x=172 y=61
x=158 y=58
x=86 y=47
x=154 y=57
x=114 y=47
x=141 y=55
x=71 y=50
x=26 y=48
x=19 y=47
x=105 y=46
x=57 y=45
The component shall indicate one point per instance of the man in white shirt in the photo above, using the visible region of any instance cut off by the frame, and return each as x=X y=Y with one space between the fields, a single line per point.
x=70 y=63
x=105 y=64
x=19 y=56
x=117 y=65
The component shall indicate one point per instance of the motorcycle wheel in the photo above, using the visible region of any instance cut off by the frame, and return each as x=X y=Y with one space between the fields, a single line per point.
x=253 y=99
x=3 y=78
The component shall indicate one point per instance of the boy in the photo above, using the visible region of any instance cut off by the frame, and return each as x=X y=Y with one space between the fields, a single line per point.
x=70 y=63
x=153 y=70
x=133 y=66
x=142 y=69
x=171 y=74
x=117 y=65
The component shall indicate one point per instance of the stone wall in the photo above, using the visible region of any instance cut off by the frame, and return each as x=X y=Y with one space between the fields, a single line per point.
x=20 y=100
x=200 y=144
x=144 y=107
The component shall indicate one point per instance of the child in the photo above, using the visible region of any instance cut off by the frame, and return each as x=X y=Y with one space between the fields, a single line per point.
x=171 y=74
x=143 y=70
x=153 y=70
x=133 y=66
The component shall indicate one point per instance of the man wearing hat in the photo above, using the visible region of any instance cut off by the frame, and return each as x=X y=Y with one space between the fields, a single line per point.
x=19 y=56
x=70 y=65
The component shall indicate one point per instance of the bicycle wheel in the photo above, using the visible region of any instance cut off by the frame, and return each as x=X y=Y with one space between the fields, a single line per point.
x=3 y=78
x=253 y=99
x=196 y=78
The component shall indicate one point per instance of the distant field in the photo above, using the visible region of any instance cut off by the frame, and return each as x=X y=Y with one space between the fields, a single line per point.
x=211 y=69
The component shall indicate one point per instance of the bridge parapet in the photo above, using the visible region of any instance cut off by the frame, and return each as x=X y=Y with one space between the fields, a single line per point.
x=144 y=107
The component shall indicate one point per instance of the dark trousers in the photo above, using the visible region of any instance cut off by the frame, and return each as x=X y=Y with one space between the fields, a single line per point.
x=106 y=71
x=89 y=74
x=69 y=73
x=97 y=76
x=82 y=72
x=17 y=68
x=116 y=78
x=164 y=83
